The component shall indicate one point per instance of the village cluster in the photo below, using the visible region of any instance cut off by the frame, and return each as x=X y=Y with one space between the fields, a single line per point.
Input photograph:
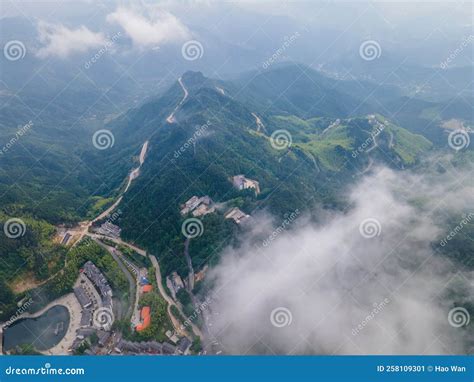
x=93 y=331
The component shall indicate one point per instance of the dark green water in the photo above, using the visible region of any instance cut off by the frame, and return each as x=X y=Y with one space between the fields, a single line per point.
x=42 y=332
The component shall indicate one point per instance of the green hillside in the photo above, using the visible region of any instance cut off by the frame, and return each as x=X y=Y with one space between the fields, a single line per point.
x=299 y=176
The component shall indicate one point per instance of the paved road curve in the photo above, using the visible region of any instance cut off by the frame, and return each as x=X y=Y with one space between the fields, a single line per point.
x=131 y=281
x=171 y=118
x=171 y=302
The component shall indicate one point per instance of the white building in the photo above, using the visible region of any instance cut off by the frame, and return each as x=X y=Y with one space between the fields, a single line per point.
x=236 y=215
x=242 y=183
x=198 y=206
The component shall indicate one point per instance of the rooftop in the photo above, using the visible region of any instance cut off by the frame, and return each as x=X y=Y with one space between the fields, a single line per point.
x=242 y=183
x=236 y=215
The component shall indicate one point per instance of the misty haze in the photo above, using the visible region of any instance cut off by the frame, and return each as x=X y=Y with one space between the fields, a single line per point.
x=236 y=178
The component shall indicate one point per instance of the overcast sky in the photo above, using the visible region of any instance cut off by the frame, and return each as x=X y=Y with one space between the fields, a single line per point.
x=149 y=22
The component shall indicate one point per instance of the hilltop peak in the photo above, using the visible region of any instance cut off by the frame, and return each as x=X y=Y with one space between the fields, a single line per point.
x=190 y=74
x=197 y=81
x=194 y=79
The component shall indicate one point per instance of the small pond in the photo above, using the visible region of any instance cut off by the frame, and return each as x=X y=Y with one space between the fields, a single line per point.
x=42 y=332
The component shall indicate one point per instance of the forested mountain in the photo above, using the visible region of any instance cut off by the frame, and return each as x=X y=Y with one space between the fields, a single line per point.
x=301 y=135
x=215 y=136
x=56 y=165
x=243 y=175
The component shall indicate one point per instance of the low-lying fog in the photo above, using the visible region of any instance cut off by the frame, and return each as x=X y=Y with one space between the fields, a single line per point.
x=368 y=281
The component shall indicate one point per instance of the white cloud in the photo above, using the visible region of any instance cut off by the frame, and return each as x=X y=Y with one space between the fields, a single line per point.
x=61 y=41
x=345 y=293
x=157 y=27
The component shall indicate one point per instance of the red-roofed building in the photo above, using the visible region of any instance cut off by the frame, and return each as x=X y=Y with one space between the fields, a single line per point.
x=146 y=319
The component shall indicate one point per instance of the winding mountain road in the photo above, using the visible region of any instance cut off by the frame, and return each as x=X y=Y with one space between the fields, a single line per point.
x=119 y=241
x=259 y=123
x=84 y=226
x=170 y=301
x=171 y=118
x=84 y=231
x=132 y=282
x=190 y=266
